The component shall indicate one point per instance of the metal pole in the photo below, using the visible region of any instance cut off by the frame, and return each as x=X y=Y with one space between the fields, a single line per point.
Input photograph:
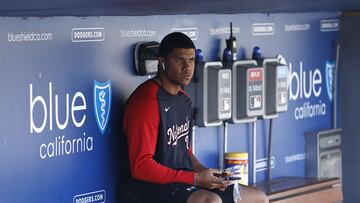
x=221 y=155
x=335 y=75
x=225 y=139
x=221 y=151
x=193 y=140
x=225 y=136
x=269 y=149
x=223 y=147
x=254 y=151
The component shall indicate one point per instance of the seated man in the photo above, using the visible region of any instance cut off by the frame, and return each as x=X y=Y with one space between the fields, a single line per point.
x=157 y=127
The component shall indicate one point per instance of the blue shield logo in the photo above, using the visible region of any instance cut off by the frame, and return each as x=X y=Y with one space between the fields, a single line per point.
x=102 y=103
x=329 y=69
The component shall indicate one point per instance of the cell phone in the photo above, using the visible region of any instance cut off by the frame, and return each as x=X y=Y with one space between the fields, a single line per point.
x=233 y=178
x=225 y=176
x=221 y=175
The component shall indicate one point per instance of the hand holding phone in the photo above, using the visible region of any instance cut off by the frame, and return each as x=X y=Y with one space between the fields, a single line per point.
x=227 y=175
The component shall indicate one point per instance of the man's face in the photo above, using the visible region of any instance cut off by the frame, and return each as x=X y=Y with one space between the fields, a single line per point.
x=179 y=66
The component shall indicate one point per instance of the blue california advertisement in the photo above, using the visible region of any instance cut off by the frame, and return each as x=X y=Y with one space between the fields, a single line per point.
x=65 y=81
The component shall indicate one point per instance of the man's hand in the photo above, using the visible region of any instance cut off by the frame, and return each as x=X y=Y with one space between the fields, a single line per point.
x=206 y=179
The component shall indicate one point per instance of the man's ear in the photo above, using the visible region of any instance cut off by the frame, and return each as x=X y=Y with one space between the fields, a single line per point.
x=161 y=62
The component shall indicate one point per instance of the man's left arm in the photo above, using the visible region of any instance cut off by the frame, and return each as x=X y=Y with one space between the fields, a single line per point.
x=196 y=163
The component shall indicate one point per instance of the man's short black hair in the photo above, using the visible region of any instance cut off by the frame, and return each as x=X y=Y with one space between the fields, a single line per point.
x=173 y=41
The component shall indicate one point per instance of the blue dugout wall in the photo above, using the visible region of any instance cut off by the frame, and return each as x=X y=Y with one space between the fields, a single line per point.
x=59 y=140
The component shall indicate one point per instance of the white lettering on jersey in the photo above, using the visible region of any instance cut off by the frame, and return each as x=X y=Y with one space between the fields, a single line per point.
x=178 y=131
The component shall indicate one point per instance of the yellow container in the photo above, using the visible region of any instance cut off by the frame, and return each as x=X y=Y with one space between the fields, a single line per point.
x=238 y=159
